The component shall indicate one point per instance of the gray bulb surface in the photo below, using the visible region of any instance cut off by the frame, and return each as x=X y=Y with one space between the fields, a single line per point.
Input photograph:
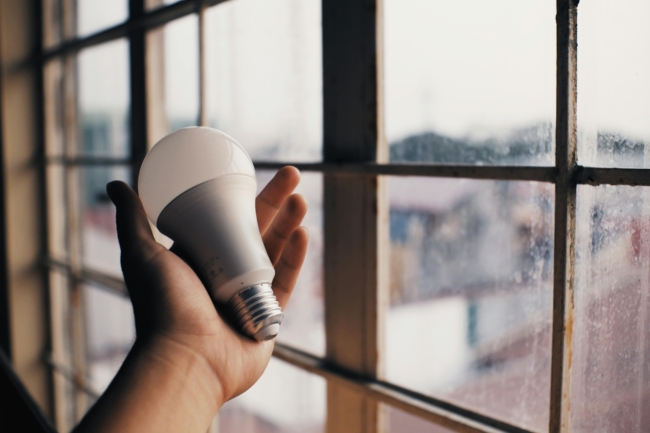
x=198 y=187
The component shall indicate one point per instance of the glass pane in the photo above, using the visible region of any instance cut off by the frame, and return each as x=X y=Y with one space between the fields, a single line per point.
x=104 y=100
x=52 y=22
x=100 y=249
x=614 y=83
x=610 y=381
x=174 y=51
x=95 y=15
x=182 y=72
x=400 y=422
x=110 y=333
x=470 y=294
x=470 y=82
x=303 y=326
x=54 y=108
x=57 y=224
x=61 y=348
x=284 y=400
x=264 y=76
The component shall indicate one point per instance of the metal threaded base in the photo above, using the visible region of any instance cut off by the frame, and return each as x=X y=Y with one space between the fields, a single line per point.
x=257 y=312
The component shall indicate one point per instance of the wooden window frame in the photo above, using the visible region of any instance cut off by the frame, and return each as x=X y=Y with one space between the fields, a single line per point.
x=355 y=161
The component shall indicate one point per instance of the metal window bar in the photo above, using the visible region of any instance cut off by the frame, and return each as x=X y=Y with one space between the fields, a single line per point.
x=429 y=408
x=565 y=216
x=580 y=175
x=565 y=175
x=140 y=21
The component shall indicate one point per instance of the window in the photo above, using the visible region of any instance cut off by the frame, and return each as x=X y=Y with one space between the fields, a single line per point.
x=465 y=273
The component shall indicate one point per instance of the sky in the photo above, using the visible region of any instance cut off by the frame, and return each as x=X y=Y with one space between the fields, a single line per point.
x=464 y=69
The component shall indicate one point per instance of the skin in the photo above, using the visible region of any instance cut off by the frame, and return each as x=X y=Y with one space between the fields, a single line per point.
x=187 y=361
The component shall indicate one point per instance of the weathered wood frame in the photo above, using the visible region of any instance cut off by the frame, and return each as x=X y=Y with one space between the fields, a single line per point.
x=354 y=163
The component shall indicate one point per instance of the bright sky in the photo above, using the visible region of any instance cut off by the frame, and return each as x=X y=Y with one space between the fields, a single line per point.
x=471 y=68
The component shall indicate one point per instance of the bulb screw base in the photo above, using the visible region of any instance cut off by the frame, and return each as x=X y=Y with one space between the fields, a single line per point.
x=257 y=312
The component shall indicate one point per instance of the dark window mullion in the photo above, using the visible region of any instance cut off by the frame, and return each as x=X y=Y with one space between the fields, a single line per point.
x=565 y=215
x=138 y=75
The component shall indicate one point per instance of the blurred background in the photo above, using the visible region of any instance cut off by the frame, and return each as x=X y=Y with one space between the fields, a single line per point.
x=469 y=263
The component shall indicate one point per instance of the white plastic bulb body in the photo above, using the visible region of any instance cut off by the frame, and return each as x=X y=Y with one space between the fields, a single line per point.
x=198 y=187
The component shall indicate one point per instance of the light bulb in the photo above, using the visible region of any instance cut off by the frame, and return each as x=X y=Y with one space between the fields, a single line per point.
x=198 y=187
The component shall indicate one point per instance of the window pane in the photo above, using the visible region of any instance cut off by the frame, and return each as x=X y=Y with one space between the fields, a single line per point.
x=284 y=400
x=61 y=348
x=110 y=333
x=57 y=224
x=400 y=422
x=52 y=22
x=471 y=289
x=264 y=76
x=610 y=380
x=470 y=82
x=614 y=83
x=96 y=15
x=174 y=52
x=104 y=100
x=100 y=249
x=303 y=326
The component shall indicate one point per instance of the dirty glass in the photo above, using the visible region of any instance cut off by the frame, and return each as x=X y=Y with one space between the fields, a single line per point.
x=100 y=250
x=303 y=326
x=104 y=100
x=400 y=422
x=610 y=374
x=284 y=400
x=264 y=76
x=614 y=83
x=471 y=267
x=96 y=15
x=110 y=333
x=470 y=82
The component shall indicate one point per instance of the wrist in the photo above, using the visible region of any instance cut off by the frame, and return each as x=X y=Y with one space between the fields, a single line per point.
x=190 y=366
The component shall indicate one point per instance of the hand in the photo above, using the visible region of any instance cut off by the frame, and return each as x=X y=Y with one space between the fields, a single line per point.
x=175 y=319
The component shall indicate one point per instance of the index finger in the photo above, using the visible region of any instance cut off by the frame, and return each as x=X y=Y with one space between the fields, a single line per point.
x=270 y=200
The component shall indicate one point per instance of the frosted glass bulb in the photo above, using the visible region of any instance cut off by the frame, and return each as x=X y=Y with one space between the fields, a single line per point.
x=198 y=187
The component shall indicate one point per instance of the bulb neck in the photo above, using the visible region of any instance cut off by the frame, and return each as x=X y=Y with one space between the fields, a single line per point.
x=257 y=311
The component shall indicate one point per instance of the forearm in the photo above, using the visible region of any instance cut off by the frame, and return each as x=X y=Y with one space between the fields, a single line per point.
x=162 y=387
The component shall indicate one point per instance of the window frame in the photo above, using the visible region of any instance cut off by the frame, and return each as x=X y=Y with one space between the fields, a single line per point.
x=355 y=162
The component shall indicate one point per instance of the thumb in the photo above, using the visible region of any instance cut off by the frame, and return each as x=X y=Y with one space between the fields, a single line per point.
x=133 y=231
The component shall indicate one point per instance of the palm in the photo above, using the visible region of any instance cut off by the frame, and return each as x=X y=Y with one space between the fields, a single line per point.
x=170 y=301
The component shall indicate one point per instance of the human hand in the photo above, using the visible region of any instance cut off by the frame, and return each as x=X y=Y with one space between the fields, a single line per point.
x=173 y=310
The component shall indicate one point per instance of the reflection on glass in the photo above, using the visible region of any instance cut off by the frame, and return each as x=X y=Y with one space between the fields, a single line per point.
x=303 y=325
x=110 y=333
x=104 y=99
x=610 y=381
x=181 y=53
x=400 y=422
x=264 y=77
x=284 y=400
x=100 y=249
x=470 y=82
x=614 y=83
x=471 y=286
x=96 y=15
